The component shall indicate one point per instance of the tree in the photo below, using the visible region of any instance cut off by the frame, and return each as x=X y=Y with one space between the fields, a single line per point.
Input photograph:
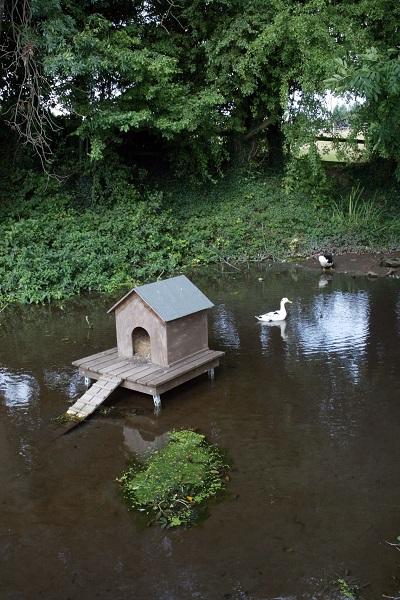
x=374 y=77
x=200 y=81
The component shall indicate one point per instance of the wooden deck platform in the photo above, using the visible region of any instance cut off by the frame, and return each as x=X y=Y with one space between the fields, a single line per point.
x=141 y=375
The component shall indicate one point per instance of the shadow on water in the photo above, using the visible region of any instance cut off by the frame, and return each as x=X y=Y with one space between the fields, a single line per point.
x=307 y=409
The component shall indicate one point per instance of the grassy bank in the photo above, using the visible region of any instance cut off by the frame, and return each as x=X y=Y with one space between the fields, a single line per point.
x=56 y=242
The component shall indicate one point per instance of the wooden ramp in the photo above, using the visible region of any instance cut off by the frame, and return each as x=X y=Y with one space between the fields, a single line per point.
x=93 y=397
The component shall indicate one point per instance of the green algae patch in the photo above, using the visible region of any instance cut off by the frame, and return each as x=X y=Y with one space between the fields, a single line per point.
x=175 y=483
x=65 y=418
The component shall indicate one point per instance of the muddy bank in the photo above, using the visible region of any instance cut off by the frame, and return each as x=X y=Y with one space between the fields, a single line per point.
x=371 y=263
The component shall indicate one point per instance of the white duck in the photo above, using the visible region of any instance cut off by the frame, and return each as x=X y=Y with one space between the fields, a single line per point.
x=277 y=315
x=326 y=261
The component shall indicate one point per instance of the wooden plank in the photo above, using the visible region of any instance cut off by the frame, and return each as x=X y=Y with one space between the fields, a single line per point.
x=158 y=380
x=150 y=370
x=180 y=369
x=137 y=387
x=99 y=361
x=93 y=397
x=177 y=365
x=187 y=376
x=119 y=370
x=125 y=382
x=82 y=361
x=132 y=370
x=103 y=360
x=103 y=363
x=124 y=362
x=124 y=370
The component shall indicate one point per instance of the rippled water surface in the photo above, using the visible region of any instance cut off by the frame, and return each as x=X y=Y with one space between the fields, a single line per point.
x=308 y=410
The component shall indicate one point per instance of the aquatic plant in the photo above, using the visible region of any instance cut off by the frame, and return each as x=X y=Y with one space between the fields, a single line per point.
x=347 y=590
x=65 y=418
x=173 y=485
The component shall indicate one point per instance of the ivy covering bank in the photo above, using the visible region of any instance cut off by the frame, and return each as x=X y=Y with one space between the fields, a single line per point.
x=55 y=242
x=177 y=480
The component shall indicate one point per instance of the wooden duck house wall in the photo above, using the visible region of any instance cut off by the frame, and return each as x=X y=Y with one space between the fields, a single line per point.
x=186 y=336
x=135 y=314
x=169 y=342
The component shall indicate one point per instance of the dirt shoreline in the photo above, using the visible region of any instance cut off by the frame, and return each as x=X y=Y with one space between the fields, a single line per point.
x=353 y=263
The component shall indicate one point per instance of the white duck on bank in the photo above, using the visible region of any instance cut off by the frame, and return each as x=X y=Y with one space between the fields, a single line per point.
x=277 y=315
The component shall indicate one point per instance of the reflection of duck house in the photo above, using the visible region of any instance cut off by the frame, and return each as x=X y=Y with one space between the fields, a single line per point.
x=162 y=339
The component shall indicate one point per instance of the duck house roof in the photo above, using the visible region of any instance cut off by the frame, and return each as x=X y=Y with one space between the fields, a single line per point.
x=171 y=298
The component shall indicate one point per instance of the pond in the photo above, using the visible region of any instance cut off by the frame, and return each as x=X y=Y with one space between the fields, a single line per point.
x=308 y=411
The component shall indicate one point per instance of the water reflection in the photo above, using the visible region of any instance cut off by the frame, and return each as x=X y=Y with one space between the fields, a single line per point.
x=336 y=323
x=324 y=280
x=267 y=329
x=142 y=435
x=314 y=456
x=224 y=327
x=18 y=389
x=68 y=380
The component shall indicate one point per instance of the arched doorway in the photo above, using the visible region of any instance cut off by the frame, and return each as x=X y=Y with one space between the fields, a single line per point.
x=141 y=343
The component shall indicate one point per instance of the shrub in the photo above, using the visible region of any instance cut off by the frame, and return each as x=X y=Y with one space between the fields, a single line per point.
x=54 y=244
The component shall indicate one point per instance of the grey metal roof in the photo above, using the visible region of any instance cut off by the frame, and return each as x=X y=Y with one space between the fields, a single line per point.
x=171 y=298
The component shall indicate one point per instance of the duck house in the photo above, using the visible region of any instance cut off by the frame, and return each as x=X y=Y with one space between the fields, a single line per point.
x=162 y=341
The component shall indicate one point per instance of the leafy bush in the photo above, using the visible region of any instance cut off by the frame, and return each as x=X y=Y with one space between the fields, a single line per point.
x=177 y=480
x=55 y=242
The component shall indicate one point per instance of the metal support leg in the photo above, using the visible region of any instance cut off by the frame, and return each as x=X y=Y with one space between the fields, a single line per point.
x=88 y=382
x=157 y=404
x=211 y=374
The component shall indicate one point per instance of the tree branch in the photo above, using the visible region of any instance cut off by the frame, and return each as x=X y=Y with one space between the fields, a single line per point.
x=29 y=115
x=264 y=125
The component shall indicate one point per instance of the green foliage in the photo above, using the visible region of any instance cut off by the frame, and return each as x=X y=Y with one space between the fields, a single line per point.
x=50 y=249
x=56 y=242
x=374 y=77
x=213 y=81
x=355 y=211
x=177 y=480
x=347 y=590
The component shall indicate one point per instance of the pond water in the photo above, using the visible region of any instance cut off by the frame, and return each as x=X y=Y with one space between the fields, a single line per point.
x=308 y=411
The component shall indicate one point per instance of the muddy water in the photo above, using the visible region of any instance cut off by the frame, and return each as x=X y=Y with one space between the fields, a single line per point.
x=308 y=411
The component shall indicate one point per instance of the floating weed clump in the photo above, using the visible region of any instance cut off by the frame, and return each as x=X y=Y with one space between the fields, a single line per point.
x=176 y=481
x=65 y=418
x=348 y=590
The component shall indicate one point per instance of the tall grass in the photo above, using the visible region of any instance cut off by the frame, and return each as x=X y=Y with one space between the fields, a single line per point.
x=356 y=211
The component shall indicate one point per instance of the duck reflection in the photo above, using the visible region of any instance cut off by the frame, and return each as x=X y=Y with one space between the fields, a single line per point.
x=324 y=280
x=264 y=333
